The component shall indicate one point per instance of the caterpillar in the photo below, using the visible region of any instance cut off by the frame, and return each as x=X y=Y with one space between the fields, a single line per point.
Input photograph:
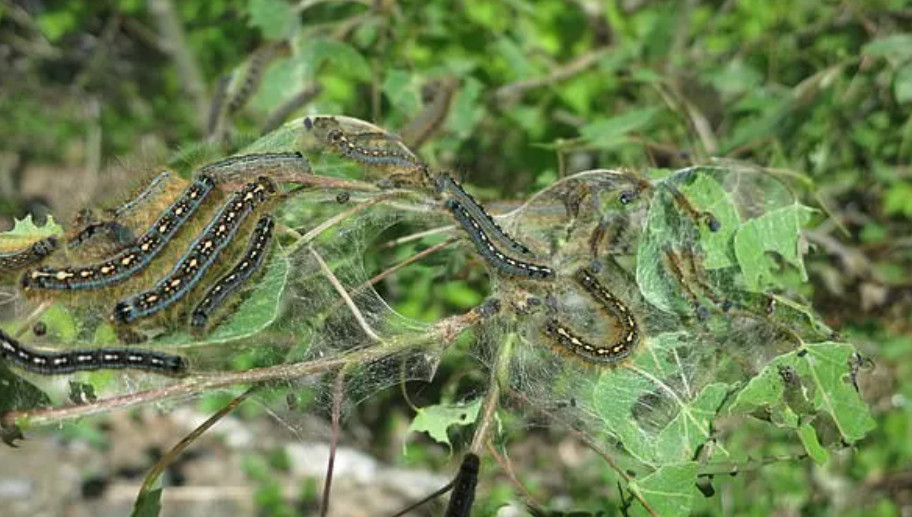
x=330 y=131
x=52 y=363
x=35 y=252
x=127 y=262
x=615 y=351
x=153 y=188
x=435 y=112
x=677 y=270
x=229 y=284
x=504 y=263
x=250 y=81
x=463 y=496
x=242 y=167
x=446 y=184
x=217 y=104
x=189 y=270
x=705 y=217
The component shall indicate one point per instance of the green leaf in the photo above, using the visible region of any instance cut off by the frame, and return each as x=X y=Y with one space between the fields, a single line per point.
x=274 y=18
x=902 y=84
x=808 y=437
x=896 y=46
x=777 y=231
x=467 y=109
x=898 y=200
x=437 y=419
x=55 y=24
x=823 y=370
x=148 y=504
x=608 y=132
x=706 y=194
x=668 y=491
x=657 y=370
x=26 y=232
x=401 y=90
x=341 y=57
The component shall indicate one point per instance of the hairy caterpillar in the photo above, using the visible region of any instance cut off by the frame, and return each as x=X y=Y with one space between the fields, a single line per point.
x=677 y=270
x=217 y=104
x=35 y=252
x=90 y=359
x=435 y=112
x=504 y=263
x=243 y=269
x=681 y=200
x=330 y=131
x=250 y=81
x=446 y=184
x=243 y=167
x=189 y=270
x=463 y=496
x=152 y=189
x=613 y=352
x=134 y=258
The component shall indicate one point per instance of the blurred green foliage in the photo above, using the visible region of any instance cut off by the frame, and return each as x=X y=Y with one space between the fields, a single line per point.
x=818 y=90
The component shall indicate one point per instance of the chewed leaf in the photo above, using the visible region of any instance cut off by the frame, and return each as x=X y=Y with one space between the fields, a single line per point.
x=650 y=407
x=257 y=311
x=707 y=194
x=25 y=232
x=688 y=430
x=437 y=419
x=821 y=377
x=669 y=490
x=777 y=231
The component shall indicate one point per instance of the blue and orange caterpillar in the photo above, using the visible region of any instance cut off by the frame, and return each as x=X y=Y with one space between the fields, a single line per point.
x=612 y=352
x=229 y=284
x=130 y=260
x=31 y=254
x=203 y=252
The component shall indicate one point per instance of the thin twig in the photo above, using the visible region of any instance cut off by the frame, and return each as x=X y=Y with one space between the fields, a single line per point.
x=334 y=220
x=492 y=399
x=356 y=312
x=446 y=488
x=414 y=258
x=588 y=443
x=160 y=466
x=444 y=332
x=417 y=236
x=338 y=392
x=507 y=467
